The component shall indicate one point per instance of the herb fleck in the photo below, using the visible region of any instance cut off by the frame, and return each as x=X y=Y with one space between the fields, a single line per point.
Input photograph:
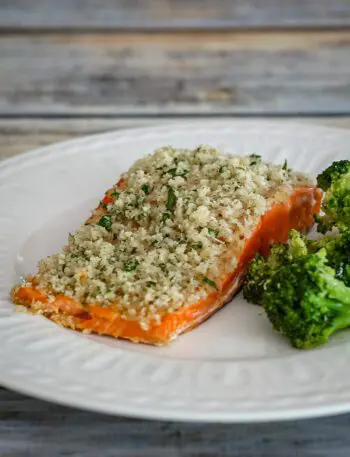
x=105 y=222
x=285 y=166
x=131 y=265
x=213 y=232
x=255 y=158
x=197 y=246
x=209 y=282
x=166 y=216
x=115 y=193
x=183 y=174
x=170 y=206
x=175 y=172
x=172 y=172
x=146 y=188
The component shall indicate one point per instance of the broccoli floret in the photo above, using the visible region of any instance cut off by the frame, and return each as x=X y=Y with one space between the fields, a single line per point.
x=333 y=173
x=297 y=244
x=304 y=286
x=324 y=223
x=260 y=269
x=335 y=181
x=305 y=301
x=336 y=203
x=338 y=253
x=256 y=276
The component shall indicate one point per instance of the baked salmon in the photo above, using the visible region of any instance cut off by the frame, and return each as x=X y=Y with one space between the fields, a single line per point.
x=168 y=245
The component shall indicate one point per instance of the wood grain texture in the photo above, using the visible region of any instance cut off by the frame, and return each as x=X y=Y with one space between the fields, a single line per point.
x=163 y=73
x=21 y=135
x=153 y=14
x=276 y=72
x=33 y=428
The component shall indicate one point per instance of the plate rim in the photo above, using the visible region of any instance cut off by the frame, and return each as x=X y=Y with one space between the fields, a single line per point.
x=269 y=124
x=154 y=414
x=12 y=382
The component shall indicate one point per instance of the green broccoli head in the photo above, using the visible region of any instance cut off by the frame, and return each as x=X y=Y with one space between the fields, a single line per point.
x=304 y=286
x=335 y=180
x=338 y=253
x=336 y=203
x=254 y=281
x=333 y=173
x=305 y=301
x=260 y=269
x=297 y=245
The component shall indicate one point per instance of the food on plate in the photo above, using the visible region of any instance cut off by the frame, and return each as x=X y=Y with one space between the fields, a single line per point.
x=335 y=181
x=304 y=285
x=338 y=253
x=168 y=245
x=301 y=295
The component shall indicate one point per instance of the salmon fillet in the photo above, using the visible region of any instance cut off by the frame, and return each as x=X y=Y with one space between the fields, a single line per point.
x=168 y=245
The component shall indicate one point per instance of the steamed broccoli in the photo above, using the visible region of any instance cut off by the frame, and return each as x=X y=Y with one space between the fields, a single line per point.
x=304 y=285
x=254 y=281
x=304 y=297
x=305 y=302
x=260 y=269
x=335 y=181
x=338 y=253
x=333 y=173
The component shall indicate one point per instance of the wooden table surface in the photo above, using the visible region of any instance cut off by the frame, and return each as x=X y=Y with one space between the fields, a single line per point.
x=71 y=67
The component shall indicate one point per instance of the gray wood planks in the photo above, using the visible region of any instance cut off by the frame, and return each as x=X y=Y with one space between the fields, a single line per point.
x=33 y=428
x=21 y=135
x=80 y=75
x=151 y=14
x=118 y=74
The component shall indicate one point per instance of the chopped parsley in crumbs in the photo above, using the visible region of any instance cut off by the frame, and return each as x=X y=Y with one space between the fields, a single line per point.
x=171 y=234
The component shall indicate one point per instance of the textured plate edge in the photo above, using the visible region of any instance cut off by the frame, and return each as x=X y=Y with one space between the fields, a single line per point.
x=235 y=417
x=139 y=411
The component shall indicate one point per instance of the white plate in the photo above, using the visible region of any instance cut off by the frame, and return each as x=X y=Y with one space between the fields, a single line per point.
x=233 y=368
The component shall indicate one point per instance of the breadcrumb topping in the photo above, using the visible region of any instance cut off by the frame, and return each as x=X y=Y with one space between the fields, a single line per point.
x=168 y=232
